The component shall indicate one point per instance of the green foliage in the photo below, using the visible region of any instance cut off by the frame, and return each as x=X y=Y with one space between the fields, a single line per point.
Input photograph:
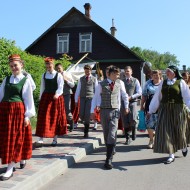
x=158 y=60
x=32 y=64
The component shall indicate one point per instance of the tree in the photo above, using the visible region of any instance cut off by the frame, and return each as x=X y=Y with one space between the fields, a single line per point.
x=158 y=60
x=32 y=64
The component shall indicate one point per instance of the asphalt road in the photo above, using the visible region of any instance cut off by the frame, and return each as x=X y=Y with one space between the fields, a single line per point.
x=135 y=168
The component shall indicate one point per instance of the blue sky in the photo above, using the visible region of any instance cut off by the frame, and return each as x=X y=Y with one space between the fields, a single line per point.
x=160 y=25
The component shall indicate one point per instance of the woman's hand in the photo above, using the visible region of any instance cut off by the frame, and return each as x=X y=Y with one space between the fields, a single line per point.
x=148 y=115
x=26 y=122
x=56 y=96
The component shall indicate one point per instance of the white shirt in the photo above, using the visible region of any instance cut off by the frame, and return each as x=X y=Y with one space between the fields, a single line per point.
x=30 y=79
x=77 y=93
x=60 y=82
x=96 y=101
x=155 y=102
x=27 y=94
x=70 y=82
x=138 y=89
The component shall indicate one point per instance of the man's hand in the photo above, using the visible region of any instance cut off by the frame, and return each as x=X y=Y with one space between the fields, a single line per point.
x=126 y=111
x=56 y=96
x=129 y=98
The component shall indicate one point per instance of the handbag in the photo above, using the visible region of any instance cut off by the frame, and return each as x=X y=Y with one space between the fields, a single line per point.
x=141 y=125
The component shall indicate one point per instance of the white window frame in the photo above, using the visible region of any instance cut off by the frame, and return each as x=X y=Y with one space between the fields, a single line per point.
x=61 y=42
x=85 y=42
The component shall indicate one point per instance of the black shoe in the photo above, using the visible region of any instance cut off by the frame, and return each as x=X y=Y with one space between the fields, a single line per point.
x=108 y=165
x=85 y=135
x=2 y=178
x=22 y=166
x=54 y=143
x=71 y=127
x=114 y=151
x=133 y=136
x=170 y=160
x=185 y=153
x=128 y=141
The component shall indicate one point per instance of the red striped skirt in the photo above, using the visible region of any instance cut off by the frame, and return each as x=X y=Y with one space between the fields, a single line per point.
x=51 y=116
x=76 y=112
x=15 y=138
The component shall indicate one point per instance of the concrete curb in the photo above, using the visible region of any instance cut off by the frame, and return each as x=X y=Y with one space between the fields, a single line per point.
x=58 y=166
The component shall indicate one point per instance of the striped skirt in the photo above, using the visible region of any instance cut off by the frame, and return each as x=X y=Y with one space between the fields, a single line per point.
x=51 y=119
x=15 y=138
x=171 y=128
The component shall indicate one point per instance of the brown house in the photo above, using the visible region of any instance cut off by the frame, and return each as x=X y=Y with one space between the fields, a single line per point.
x=76 y=34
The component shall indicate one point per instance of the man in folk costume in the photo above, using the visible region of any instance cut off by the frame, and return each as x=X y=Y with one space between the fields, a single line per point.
x=134 y=90
x=171 y=101
x=85 y=89
x=16 y=109
x=51 y=120
x=28 y=75
x=107 y=99
x=67 y=91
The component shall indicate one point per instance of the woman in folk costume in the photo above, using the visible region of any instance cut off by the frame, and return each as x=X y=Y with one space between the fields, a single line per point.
x=51 y=120
x=171 y=99
x=16 y=107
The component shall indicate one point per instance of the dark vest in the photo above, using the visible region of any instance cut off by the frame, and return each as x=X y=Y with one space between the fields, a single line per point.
x=171 y=93
x=131 y=86
x=13 y=92
x=51 y=84
x=109 y=99
x=87 y=88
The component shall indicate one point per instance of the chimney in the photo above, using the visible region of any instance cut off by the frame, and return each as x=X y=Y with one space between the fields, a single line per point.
x=87 y=7
x=184 y=67
x=113 y=29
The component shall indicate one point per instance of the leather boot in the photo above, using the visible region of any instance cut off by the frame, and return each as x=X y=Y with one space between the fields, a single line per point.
x=109 y=156
x=86 y=129
x=133 y=133
x=128 y=138
x=71 y=127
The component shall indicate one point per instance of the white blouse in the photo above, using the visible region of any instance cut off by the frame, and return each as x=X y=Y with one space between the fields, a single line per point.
x=155 y=102
x=27 y=94
x=60 y=82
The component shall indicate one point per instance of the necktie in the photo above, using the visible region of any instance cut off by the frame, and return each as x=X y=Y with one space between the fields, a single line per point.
x=128 y=80
x=87 y=77
x=111 y=86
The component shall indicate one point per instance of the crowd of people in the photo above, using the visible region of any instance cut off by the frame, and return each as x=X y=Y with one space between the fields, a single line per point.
x=165 y=102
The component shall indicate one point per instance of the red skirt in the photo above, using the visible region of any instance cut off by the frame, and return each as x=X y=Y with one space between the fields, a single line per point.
x=97 y=115
x=76 y=112
x=15 y=138
x=51 y=119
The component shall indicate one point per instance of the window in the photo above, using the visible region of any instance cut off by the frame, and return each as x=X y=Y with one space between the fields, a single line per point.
x=85 y=42
x=62 y=43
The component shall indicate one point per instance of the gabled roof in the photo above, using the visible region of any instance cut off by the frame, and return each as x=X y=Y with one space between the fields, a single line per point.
x=73 y=9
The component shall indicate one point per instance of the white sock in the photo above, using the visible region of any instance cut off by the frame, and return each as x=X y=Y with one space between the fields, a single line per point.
x=23 y=161
x=40 y=139
x=184 y=149
x=9 y=170
x=95 y=124
x=55 y=138
x=171 y=156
